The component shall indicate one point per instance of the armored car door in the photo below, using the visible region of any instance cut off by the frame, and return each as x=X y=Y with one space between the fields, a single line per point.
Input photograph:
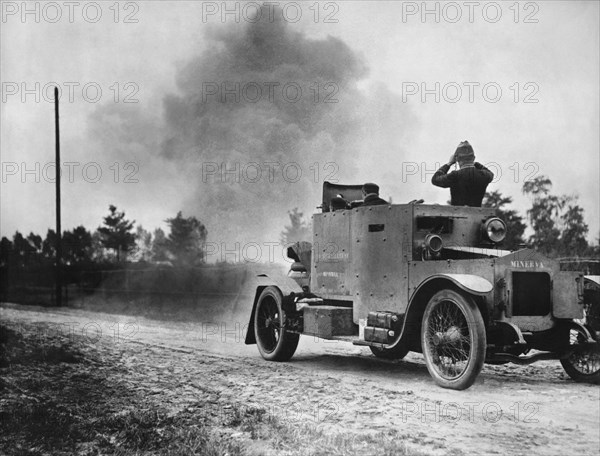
x=380 y=240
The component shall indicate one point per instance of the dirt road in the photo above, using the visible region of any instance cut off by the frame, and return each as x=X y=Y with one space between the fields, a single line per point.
x=338 y=387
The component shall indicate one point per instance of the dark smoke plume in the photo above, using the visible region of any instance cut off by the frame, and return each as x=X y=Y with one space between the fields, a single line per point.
x=327 y=132
x=289 y=135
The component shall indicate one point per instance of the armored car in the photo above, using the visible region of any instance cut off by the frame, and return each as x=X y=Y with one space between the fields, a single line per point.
x=432 y=279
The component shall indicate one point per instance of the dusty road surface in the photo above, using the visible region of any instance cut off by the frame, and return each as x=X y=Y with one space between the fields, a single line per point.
x=338 y=389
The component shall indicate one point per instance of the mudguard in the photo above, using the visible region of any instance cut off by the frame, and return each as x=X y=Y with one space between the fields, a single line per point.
x=286 y=285
x=468 y=282
x=593 y=278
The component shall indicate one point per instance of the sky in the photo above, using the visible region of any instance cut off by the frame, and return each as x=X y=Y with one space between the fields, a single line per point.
x=191 y=106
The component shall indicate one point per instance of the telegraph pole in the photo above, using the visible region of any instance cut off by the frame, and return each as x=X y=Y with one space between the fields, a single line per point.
x=58 y=227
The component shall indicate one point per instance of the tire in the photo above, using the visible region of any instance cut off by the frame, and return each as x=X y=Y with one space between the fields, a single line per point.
x=398 y=352
x=274 y=343
x=453 y=339
x=583 y=365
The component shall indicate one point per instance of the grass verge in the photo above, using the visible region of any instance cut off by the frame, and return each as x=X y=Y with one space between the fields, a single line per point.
x=62 y=396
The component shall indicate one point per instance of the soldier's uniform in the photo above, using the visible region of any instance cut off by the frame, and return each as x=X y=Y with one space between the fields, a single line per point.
x=468 y=184
x=371 y=198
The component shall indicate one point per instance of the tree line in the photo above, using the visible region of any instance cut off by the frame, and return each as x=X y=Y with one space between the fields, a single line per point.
x=556 y=221
x=115 y=240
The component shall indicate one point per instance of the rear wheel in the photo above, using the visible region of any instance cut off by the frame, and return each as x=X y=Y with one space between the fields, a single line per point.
x=398 y=352
x=273 y=341
x=453 y=339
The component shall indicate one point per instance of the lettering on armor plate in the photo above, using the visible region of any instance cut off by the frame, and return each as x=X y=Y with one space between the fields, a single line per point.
x=330 y=274
x=527 y=264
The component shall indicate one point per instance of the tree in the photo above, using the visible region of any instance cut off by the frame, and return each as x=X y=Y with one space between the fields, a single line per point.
x=159 y=251
x=187 y=240
x=116 y=233
x=77 y=245
x=557 y=222
x=24 y=252
x=49 y=244
x=34 y=253
x=98 y=252
x=573 y=235
x=298 y=230
x=514 y=222
x=143 y=244
x=35 y=240
x=6 y=251
x=543 y=214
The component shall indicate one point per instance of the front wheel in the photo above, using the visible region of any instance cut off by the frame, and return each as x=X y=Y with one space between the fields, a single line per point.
x=453 y=339
x=273 y=341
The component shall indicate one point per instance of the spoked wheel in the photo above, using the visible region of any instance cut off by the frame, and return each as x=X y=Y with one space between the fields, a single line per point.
x=274 y=343
x=453 y=339
x=398 y=352
x=584 y=364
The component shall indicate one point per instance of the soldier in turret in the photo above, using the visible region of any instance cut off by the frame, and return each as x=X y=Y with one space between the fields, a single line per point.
x=371 y=197
x=467 y=184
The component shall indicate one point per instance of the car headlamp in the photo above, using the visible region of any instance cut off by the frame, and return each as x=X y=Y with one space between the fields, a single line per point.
x=494 y=229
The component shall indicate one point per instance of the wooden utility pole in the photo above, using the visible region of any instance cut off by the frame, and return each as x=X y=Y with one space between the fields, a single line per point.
x=58 y=227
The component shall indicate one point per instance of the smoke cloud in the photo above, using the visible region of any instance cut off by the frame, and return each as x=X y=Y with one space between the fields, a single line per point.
x=260 y=119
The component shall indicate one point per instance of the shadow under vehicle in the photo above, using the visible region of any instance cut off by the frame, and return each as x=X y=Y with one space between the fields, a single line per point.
x=430 y=279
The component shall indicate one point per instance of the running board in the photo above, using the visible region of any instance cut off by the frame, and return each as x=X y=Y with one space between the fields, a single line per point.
x=353 y=339
x=364 y=343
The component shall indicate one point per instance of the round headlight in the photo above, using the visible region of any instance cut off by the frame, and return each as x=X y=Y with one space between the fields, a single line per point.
x=433 y=242
x=495 y=229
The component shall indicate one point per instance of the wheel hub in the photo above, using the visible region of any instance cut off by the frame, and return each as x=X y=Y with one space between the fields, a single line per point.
x=450 y=336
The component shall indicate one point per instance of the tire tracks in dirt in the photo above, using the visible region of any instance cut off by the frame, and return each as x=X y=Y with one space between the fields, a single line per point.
x=337 y=387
